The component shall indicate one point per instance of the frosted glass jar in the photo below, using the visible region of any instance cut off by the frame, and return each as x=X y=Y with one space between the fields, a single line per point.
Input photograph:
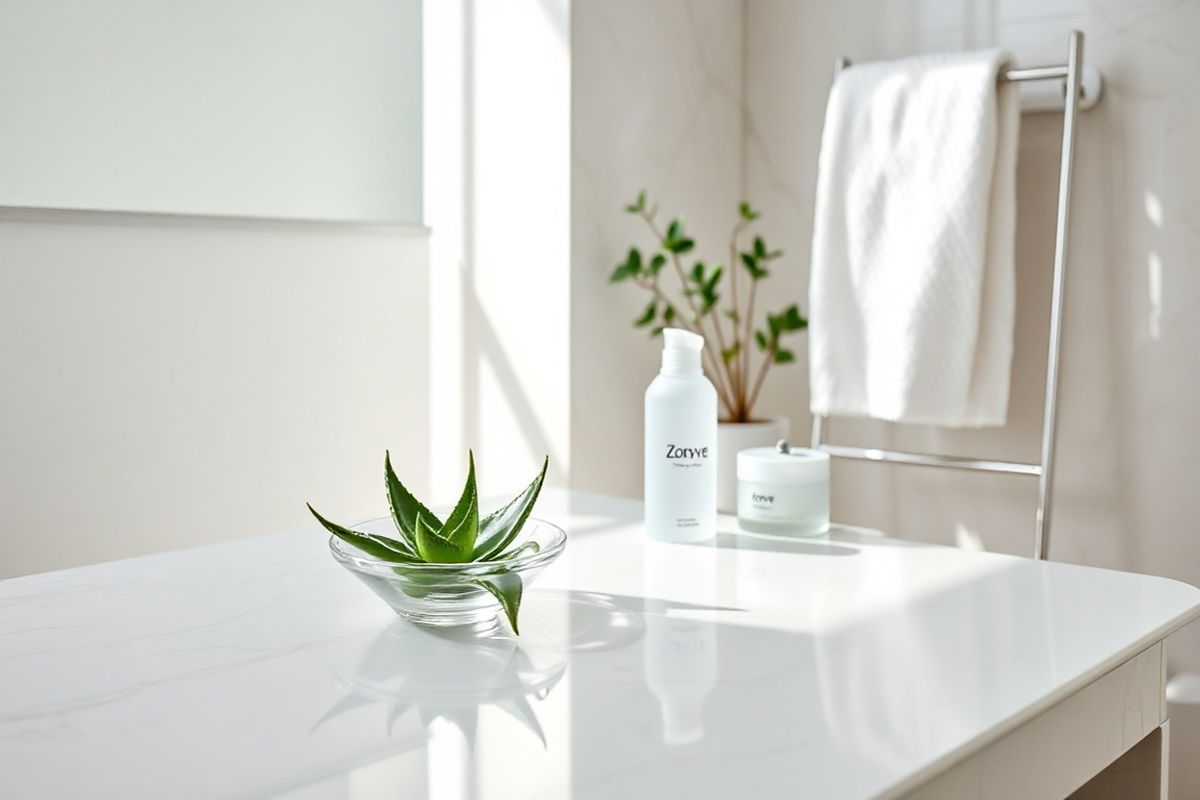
x=783 y=491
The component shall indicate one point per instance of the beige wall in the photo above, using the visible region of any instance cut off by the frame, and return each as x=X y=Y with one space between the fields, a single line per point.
x=170 y=382
x=656 y=91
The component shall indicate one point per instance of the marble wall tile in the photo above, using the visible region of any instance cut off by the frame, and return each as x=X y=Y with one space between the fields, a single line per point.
x=657 y=106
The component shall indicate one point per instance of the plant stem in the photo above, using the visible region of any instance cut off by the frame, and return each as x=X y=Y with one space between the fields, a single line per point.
x=748 y=403
x=719 y=359
x=739 y=375
x=762 y=372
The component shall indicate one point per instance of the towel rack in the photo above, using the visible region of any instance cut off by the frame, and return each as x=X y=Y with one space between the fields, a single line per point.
x=1080 y=92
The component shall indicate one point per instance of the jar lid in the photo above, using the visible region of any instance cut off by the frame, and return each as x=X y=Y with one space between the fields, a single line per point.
x=768 y=465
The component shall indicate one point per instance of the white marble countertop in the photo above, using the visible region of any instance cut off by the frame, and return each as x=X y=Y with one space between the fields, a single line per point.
x=849 y=668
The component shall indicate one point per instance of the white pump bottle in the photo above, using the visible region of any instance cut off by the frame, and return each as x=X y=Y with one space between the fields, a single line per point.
x=681 y=444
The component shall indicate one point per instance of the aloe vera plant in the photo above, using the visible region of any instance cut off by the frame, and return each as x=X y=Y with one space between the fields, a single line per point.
x=462 y=538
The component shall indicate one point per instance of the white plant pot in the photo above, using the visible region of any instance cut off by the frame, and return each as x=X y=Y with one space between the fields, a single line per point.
x=735 y=436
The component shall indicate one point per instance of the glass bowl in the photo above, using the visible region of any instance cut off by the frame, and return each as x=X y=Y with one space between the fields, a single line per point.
x=446 y=595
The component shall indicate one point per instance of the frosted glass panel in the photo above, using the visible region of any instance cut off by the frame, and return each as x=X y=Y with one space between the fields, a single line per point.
x=305 y=109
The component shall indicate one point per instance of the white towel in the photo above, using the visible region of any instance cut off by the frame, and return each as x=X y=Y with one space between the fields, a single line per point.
x=911 y=293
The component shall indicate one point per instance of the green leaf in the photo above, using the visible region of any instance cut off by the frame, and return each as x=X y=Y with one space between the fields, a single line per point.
x=505 y=587
x=372 y=544
x=762 y=253
x=633 y=261
x=674 y=230
x=710 y=299
x=669 y=314
x=656 y=264
x=629 y=268
x=657 y=331
x=710 y=286
x=684 y=245
x=729 y=354
x=499 y=528
x=775 y=324
x=462 y=526
x=792 y=319
x=746 y=212
x=648 y=315
x=435 y=549
x=733 y=315
x=784 y=356
x=404 y=507
x=750 y=261
x=639 y=205
x=760 y=339
x=698 y=272
x=528 y=547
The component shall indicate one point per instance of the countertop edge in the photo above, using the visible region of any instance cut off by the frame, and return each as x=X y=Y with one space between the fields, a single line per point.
x=983 y=740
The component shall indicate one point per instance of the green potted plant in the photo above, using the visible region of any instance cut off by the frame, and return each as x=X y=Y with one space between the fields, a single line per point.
x=718 y=302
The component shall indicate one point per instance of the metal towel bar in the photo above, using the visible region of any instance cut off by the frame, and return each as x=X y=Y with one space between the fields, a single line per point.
x=1078 y=94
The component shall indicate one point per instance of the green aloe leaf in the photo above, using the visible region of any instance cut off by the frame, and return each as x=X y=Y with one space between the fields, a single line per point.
x=404 y=507
x=505 y=587
x=499 y=528
x=462 y=526
x=517 y=552
x=434 y=549
x=370 y=543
